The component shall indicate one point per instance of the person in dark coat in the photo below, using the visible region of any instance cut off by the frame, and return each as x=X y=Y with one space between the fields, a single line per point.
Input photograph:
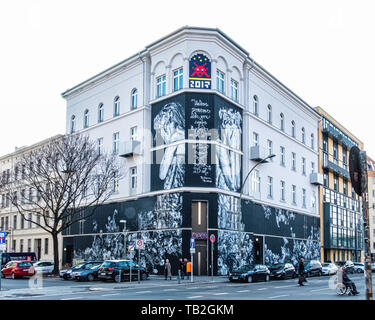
x=349 y=283
x=301 y=272
x=181 y=268
x=167 y=270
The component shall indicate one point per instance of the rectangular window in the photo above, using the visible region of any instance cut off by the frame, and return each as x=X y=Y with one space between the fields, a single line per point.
x=46 y=246
x=313 y=200
x=282 y=190
x=303 y=166
x=21 y=245
x=312 y=167
x=294 y=194
x=133 y=178
x=269 y=145
x=29 y=245
x=234 y=90
x=270 y=187
x=255 y=139
x=15 y=222
x=335 y=182
x=133 y=133
x=30 y=217
x=178 y=79
x=282 y=156
x=255 y=181
x=115 y=182
x=293 y=161
x=161 y=86
x=220 y=81
x=100 y=145
x=116 y=141
x=335 y=153
x=345 y=187
x=303 y=198
x=325 y=179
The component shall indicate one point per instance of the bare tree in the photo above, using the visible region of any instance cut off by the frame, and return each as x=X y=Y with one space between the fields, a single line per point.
x=61 y=183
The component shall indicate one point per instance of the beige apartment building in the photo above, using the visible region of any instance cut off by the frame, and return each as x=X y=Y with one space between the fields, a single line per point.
x=22 y=236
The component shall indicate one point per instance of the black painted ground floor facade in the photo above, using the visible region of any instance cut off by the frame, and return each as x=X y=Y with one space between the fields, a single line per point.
x=166 y=223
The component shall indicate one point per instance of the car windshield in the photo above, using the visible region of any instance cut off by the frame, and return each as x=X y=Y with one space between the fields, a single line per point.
x=24 y=264
x=96 y=266
x=326 y=264
x=78 y=266
x=108 y=264
x=245 y=268
x=277 y=266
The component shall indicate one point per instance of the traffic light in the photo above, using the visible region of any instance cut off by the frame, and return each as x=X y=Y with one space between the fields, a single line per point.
x=358 y=170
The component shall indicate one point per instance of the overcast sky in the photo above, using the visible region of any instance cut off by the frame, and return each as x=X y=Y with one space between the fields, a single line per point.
x=324 y=51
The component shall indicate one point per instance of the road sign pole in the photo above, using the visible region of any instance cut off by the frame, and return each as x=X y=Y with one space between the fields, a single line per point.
x=212 y=261
x=1 y=262
x=192 y=268
x=367 y=251
x=139 y=265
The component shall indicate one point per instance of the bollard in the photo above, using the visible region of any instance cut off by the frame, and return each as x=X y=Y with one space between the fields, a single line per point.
x=179 y=276
x=130 y=274
x=139 y=276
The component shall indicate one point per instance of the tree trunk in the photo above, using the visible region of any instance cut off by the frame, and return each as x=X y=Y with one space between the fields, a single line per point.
x=55 y=254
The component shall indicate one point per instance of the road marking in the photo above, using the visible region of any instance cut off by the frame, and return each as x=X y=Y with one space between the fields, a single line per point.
x=143 y=291
x=169 y=289
x=72 y=298
x=111 y=294
x=220 y=293
x=321 y=289
x=243 y=291
x=261 y=289
x=194 y=288
x=194 y=297
x=284 y=295
x=292 y=285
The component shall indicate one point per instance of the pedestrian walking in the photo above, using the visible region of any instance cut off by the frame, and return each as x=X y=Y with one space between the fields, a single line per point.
x=181 y=268
x=301 y=272
x=185 y=263
x=167 y=270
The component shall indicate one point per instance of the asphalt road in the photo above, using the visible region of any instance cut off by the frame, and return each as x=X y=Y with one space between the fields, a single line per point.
x=317 y=288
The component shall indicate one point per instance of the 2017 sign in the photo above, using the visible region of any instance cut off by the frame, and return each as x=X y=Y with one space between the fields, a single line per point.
x=200 y=72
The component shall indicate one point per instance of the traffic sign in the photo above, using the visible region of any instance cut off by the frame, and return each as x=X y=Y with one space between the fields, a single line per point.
x=192 y=250
x=212 y=238
x=3 y=236
x=192 y=243
x=131 y=245
x=139 y=244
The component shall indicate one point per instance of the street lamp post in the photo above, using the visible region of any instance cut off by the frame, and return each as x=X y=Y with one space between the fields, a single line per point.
x=125 y=233
x=239 y=209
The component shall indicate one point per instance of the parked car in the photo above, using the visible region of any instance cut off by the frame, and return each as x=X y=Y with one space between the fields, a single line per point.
x=110 y=270
x=329 y=268
x=43 y=267
x=313 y=267
x=373 y=267
x=349 y=265
x=250 y=273
x=18 y=269
x=90 y=274
x=17 y=256
x=67 y=273
x=359 y=267
x=282 y=271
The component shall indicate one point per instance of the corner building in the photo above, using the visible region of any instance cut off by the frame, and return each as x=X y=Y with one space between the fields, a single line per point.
x=189 y=117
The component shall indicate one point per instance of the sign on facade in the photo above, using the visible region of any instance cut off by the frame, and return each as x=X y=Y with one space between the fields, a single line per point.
x=131 y=246
x=200 y=72
x=139 y=244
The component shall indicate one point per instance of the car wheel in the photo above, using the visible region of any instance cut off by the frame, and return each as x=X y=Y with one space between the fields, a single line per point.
x=2 y=275
x=144 y=276
x=90 y=277
x=117 y=278
x=320 y=273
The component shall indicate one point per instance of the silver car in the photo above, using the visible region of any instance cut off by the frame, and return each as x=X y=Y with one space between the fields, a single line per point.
x=329 y=268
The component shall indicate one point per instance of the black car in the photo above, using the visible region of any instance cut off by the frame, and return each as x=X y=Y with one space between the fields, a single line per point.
x=282 y=271
x=67 y=274
x=110 y=270
x=249 y=273
x=313 y=267
x=87 y=274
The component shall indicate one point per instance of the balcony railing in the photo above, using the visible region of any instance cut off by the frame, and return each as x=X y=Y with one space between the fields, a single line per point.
x=337 y=134
x=333 y=164
x=129 y=148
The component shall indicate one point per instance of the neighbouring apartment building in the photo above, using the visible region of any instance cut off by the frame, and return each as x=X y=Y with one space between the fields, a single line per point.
x=340 y=207
x=189 y=116
x=22 y=235
x=371 y=203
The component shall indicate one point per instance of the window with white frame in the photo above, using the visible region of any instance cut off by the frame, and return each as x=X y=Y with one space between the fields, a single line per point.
x=133 y=133
x=178 y=79
x=133 y=178
x=255 y=105
x=293 y=161
x=100 y=145
x=161 y=83
x=304 y=198
x=269 y=187
x=234 y=90
x=116 y=141
x=255 y=139
x=86 y=119
x=269 y=114
x=100 y=113
x=282 y=190
x=255 y=181
x=220 y=81
x=115 y=182
x=313 y=200
x=134 y=99
x=303 y=136
x=312 y=141
x=303 y=166
x=293 y=129
x=312 y=167
x=282 y=156
x=282 y=122
x=269 y=145
x=294 y=194
x=72 y=124
x=116 y=106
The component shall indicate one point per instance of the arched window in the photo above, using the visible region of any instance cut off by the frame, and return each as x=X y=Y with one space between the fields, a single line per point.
x=72 y=123
x=255 y=105
x=86 y=119
x=293 y=129
x=134 y=99
x=282 y=122
x=269 y=114
x=101 y=113
x=312 y=141
x=116 y=106
x=303 y=138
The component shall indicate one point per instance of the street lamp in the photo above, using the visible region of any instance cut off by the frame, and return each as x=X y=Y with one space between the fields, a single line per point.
x=125 y=233
x=239 y=210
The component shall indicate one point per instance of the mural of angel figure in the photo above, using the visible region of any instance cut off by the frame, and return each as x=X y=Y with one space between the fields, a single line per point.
x=170 y=123
x=228 y=162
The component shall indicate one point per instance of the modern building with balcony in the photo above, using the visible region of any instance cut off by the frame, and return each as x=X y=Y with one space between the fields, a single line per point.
x=189 y=116
x=340 y=207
